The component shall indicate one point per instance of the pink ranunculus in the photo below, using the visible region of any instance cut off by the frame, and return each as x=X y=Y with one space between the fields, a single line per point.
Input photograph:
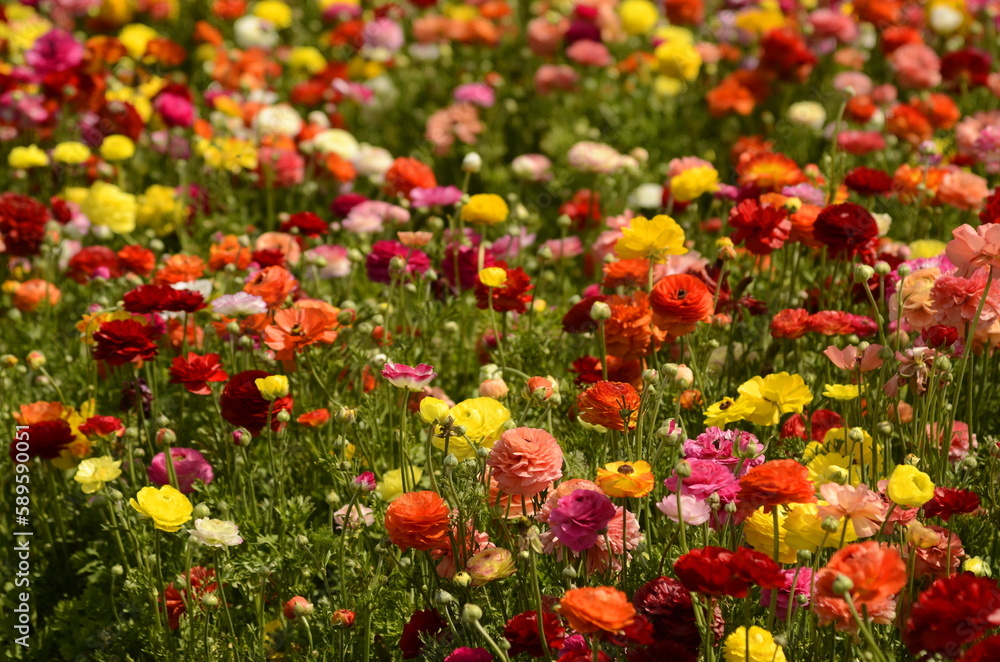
x=54 y=52
x=623 y=535
x=860 y=143
x=962 y=190
x=525 y=461
x=379 y=260
x=857 y=81
x=337 y=263
x=544 y=38
x=478 y=94
x=864 y=507
x=567 y=247
x=834 y=23
x=175 y=109
x=917 y=66
x=680 y=164
x=589 y=53
x=354 y=515
x=532 y=167
x=365 y=482
x=788 y=594
x=849 y=359
x=579 y=517
x=736 y=450
x=693 y=511
x=280 y=168
x=369 y=217
x=189 y=465
x=707 y=477
x=973 y=249
x=383 y=33
x=439 y=196
x=885 y=94
x=412 y=378
x=550 y=77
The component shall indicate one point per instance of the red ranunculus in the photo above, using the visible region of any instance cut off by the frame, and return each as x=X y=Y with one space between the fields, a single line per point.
x=513 y=295
x=243 y=406
x=718 y=571
x=159 y=298
x=868 y=181
x=953 y=612
x=46 y=439
x=791 y=323
x=764 y=228
x=195 y=371
x=124 y=341
x=424 y=623
x=847 y=230
x=22 y=224
x=949 y=501
x=667 y=605
x=522 y=633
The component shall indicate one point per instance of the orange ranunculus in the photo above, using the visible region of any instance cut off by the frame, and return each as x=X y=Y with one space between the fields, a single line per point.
x=418 y=520
x=32 y=293
x=102 y=51
x=625 y=479
x=909 y=124
x=679 y=302
x=166 y=52
x=206 y=33
x=877 y=573
x=770 y=172
x=627 y=333
x=180 y=268
x=631 y=273
x=36 y=412
x=776 y=483
x=600 y=609
x=610 y=405
x=195 y=335
x=295 y=328
x=342 y=169
x=315 y=418
x=272 y=284
x=802 y=226
x=229 y=251
x=730 y=96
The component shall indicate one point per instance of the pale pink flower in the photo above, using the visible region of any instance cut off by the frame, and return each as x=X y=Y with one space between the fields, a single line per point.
x=337 y=264
x=457 y=122
x=835 y=24
x=592 y=157
x=355 y=515
x=369 y=216
x=849 y=358
x=532 y=167
x=974 y=248
x=693 y=511
x=864 y=507
x=857 y=81
x=567 y=247
x=589 y=53
x=551 y=77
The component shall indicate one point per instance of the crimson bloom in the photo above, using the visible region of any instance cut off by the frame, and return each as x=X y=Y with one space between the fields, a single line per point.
x=846 y=229
x=513 y=295
x=424 y=624
x=22 y=224
x=948 y=502
x=123 y=341
x=667 y=605
x=158 y=298
x=243 y=406
x=764 y=228
x=868 y=181
x=718 y=571
x=195 y=371
x=522 y=631
x=953 y=612
x=46 y=439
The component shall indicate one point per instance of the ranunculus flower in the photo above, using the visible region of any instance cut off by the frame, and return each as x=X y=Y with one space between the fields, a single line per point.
x=215 y=532
x=412 y=378
x=580 y=517
x=167 y=507
x=189 y=465
x=525 y=461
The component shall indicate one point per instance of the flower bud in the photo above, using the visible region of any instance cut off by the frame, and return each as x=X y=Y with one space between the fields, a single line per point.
x=863 y=273
x=210 y=600
x=283 y=416
x=830 y=524
x=842 y=585
x=882 y=268
x=272 y=387
x=683 y=469
x=117 y=570
x=342 y=618
x=600 y=311
x=650 y=376
x=472 y=162
x=201 y=511
x=462 y=579
x=450 y=461
x=569 y=572
x=471 y=613
x=35 y=360
x=442 y=597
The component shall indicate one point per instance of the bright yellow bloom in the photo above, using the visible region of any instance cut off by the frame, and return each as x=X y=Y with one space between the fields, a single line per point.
x=391 y=485
x=272 y=387
x=482 y=419
x=653 y=239
x=832 y=468
x=117 y=148
x=274 y=11
x=726 y=411
x=229 y=154
x=775 y=395
x=759 y=532
x=860 y=451
x=22 y=27
x=108 y=205
x=678 y=60
x=94 y=472
x=638 y=17
x=307 y=59
x=762 y=646
x=841 y=391
x=433 y=410
x=135 y=37
x=485 y=209
x=167 y=507
x=762 y=19
x=693 y=183
x=804 y=528
x=493 y=277
x=71 y=152
x=159 y=210
x=625 y=479
x=26 y=158
x=925 y=248
x=910 y=487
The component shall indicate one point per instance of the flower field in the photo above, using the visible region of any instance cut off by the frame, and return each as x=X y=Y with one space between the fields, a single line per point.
x=607 y=330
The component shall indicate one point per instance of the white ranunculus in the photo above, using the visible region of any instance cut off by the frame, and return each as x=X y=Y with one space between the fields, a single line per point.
x=215 y=532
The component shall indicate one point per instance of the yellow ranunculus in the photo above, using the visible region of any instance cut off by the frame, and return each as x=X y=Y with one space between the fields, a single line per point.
x=135 y=37
x=775 y=395
x=638 y=17
x=391 y=485
x=804 y=528
x=759 y=532
x=678 y=60
x=841 y=391
x=693 y=183
x=117 y=148
x=108 y=205
x=272 y=387
x=167 y=507
x=433 y=410
x=762 y=646
x=485 y=209
x=307 y=59
x=94 y=472
x=483 y=420
x=26 y=158
x=71 y=153
x=910 y=487
x=275 y=12
x=653 y=239
x=493 y=277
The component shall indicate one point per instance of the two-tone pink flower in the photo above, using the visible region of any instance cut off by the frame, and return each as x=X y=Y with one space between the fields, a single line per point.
x=412 y=378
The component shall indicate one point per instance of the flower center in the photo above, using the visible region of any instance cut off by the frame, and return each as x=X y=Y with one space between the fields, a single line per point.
x=626 y=469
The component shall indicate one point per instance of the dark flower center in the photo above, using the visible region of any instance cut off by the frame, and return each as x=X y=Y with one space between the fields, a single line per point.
x=626 y=469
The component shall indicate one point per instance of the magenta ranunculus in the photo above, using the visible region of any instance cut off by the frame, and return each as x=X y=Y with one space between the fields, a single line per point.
x=176 y=109
x=439 y=196
x=579 y=518
x=189 y=465
x=736 y=450
x=415 y=262
x=54 y=52
x=707 y=477
x=479 y=94
x=412 y=378
x=803 y=578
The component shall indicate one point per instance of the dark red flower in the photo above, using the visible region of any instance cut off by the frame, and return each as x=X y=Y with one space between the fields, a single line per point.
x=577 y=318
x=46 y=439
x=991 y=208
x=344 y=203
x=939 y=335
x=522 y=633
x=949 y=501
x=423 y=624
x=92 y=262
x=868 y=181
x=202 y=582
x=987 y=650
x=243 y=406
x=821 y=422
x=123 y=341
x=718 y=571
x=953 y=612
x=22 y=224
x=847 y=230
x=269 y=257
x=158 y=298
x=784 y=53
x=513 y=295
x=667 y=605
x=969 y=65
x=307 y=223
x=584 y=208
x=466 y=258
x=763 y=228
x=587 y=369
x=195 y=371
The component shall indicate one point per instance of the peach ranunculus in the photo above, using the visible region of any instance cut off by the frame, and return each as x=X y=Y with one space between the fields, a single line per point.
x=295 y=328
x=974 y=248
x=918 y=304
x=865 y=508
x=272 y=284
x=962 y=190
x=282 y=242
x=525 y=461
x=876 y=572
x=32 y=293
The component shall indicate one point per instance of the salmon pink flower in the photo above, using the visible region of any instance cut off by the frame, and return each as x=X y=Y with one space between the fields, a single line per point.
x=974 y=248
